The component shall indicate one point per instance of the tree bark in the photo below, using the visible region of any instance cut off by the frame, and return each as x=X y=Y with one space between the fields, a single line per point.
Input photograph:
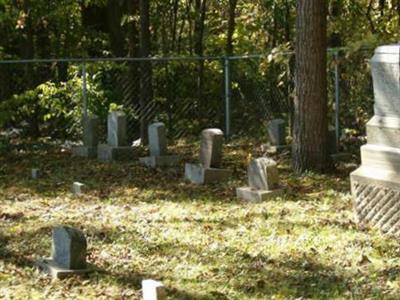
x=131 y=82
x=310 y=111
x=115 y=12
x=200 y=11
x=146 y=74
x=231 y=27
x=28 y=50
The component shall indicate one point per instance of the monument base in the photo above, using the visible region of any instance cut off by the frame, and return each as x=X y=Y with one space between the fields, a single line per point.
x=252 y=195
x=384 y=131
x=160 y=161
x=109 y=153
x=83 y=151
x=50 y=267
x=376 y=198
x=197 y=174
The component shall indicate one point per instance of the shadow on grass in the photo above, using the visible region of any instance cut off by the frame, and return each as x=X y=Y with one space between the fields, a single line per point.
x=258 y=276
x=103 y=179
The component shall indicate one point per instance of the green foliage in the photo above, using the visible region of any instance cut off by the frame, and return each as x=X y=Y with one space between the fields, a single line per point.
x=57 y=106
x=66 y=28
x=115 y=107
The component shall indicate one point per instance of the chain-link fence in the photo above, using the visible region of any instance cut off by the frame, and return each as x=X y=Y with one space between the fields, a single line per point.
x=47 y=98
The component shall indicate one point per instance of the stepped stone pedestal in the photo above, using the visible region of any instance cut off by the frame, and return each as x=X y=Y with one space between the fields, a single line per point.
x=376 y=184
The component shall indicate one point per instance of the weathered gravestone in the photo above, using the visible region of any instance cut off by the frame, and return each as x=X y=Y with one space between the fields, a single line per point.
x=276 y=130
x=68 y=253
x=158 y=148
x=35 y=173
x=117 y=147
x=376 y=184
x=208 y=170
x=263 y=178
x=90 y=138
x=153 y=290
x=78 y=188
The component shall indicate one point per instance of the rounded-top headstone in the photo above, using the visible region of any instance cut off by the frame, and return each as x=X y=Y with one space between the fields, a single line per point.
x=385 y=65
x=69 y=248
x=212 y=140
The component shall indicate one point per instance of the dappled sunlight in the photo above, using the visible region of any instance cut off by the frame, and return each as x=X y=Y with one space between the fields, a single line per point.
x=201 y=241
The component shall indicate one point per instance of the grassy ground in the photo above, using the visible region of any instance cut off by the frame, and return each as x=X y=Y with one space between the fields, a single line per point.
x=200 y=241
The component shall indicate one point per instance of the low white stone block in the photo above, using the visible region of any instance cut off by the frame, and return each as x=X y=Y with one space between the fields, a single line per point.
x=78 y=188
x=153 y=290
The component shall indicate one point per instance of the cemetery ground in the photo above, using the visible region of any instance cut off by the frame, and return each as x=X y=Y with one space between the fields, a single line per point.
x=200 y=241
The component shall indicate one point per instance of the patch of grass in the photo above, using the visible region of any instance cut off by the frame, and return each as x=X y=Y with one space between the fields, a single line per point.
x=200 y=241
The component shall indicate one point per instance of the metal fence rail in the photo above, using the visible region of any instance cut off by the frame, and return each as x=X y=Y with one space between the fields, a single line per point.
x=48 y=97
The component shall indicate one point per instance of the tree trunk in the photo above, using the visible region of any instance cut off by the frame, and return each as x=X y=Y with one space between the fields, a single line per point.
x=146 y=75
x=28 y=50
x=131 y=83
x=310 y=115
x=117 y=36
x=184 y=19
x=231 y=27
x=200 y=11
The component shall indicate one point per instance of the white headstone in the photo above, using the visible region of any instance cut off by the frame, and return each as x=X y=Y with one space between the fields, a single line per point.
x=69 y=248
x=116 y=129
x=277 y=132
x=157 y=139
x=386 y=77
x=78 y=188
x=90 y=127
x=153 y=290
x=263 y=174
x=35 y=173
x=212 y=141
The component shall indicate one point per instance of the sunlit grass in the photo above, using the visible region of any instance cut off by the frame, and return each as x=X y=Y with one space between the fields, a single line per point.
x=200 y=241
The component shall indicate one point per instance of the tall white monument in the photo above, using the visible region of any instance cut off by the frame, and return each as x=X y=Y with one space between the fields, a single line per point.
x=376 y=184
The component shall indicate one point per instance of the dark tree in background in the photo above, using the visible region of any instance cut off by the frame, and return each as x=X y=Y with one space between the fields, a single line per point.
x=198 y=33
x=231 y=27
x=310 y=116
x=146 y=76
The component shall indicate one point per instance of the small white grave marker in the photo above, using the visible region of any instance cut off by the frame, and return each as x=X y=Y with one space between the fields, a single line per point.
x=153 y=290
x=35 y=173
x=78 y=188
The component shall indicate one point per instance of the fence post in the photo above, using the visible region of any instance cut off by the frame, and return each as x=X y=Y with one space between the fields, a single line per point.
x=337 y=100
x=228 y=88
x=84 y=91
